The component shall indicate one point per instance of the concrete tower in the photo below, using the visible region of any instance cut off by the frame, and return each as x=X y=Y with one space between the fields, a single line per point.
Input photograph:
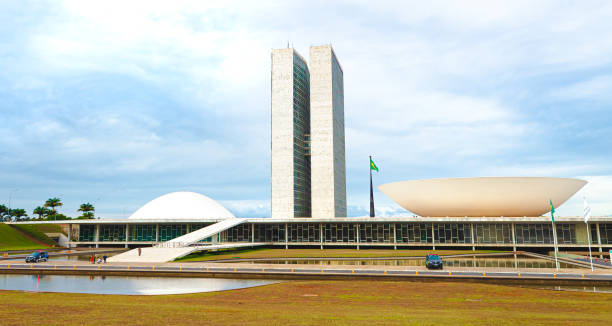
x=290 y=129
x=328 y=169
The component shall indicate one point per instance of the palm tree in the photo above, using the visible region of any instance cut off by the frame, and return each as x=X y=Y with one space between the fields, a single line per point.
x=41 y=211
x=87 y=210
x=53 y=202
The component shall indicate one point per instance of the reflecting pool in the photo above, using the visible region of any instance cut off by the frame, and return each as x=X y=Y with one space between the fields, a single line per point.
x=503 y=262
x=129 y=285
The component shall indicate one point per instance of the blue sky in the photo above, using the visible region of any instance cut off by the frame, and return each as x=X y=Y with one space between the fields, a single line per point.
x=116 y=103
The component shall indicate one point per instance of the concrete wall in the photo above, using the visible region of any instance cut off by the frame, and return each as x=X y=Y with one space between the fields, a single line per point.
x=328 y=179
x=286 y=140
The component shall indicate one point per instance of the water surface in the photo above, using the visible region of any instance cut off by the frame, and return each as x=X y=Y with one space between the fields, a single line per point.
x=130 y=285
x=519 y=262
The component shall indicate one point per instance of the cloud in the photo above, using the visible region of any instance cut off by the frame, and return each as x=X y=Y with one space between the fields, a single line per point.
x=127 y=104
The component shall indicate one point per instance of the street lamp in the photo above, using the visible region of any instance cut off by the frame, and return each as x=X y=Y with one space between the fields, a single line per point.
x=9 y=204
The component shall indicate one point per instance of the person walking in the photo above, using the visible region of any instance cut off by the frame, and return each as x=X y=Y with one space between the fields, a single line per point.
x=104 y=257
x=91 y=259
x=139 y=251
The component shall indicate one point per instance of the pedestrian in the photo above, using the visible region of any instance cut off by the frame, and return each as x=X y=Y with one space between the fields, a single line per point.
x=104 y=257
x=139 y=251
x=99 y=261
x=91 y=259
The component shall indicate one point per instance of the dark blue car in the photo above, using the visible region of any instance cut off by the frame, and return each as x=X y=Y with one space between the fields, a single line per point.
x=433 y=261
x=37 y=256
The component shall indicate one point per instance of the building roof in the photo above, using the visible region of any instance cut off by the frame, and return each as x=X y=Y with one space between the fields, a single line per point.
x=491 y=196
x=182 y=205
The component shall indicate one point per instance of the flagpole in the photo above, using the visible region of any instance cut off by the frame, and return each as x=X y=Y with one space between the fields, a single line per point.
x=589 y=240
x=554 y=229
x=371 y=191
x=587 y=215
x=555 y=243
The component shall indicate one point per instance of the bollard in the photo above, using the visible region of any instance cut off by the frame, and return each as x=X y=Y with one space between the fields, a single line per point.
x=484 y=274
x=582 y=275
x=554 y=275
x=450 y=274
x=321 y=270
x=292 y=270
x=416 y=272
x=263 y=269
x=31 y=266
x=519 y=274
x=54 y=266
x=385 y=273
x=9 y=266
x=181 y=268
x=153 y=268
x=206 y=269
x=128 y=267
x=74 y=267
x=353 y=271
x=235 y=270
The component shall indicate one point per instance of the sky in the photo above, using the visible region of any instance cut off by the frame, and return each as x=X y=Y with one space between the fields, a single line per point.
x=116 y=103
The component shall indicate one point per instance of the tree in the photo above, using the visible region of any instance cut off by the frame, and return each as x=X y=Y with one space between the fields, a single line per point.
x=4 y=213
x=88 y=211
x=58 y=217
x=41 y=212
x=18 y=213
x=53 y=202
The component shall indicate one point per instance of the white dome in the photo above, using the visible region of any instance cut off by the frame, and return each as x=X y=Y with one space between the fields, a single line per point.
x=182 y=205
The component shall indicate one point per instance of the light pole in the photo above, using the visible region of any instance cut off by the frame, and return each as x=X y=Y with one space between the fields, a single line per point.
x=9 y=203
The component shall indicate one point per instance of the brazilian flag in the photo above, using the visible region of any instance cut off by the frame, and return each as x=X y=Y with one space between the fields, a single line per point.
x=373 y=166
x=552 y=211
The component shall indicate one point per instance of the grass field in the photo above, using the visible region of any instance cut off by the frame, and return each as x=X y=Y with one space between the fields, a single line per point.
x=318 y=303
x=36 y=232
x=317 y=253
x=13 y=239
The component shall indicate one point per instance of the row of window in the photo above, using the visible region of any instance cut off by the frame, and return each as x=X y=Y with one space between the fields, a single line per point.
x=460 y=233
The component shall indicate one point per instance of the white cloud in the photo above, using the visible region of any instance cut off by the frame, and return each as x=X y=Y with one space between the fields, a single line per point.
x=432 y=89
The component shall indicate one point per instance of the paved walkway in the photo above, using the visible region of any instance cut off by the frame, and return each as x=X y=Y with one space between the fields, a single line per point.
x=181 y=246
x=295 y=271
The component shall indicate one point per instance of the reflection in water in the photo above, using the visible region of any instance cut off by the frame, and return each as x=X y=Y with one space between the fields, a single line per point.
x=122 y=285
x=519 y=262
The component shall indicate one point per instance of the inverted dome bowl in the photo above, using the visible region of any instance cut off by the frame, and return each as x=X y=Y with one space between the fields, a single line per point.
x=493 y=197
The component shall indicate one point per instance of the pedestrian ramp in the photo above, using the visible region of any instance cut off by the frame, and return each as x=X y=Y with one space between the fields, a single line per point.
x=183 y=245
x=203 y=233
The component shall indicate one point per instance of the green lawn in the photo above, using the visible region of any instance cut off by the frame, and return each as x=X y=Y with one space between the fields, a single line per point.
x=37 y=232
x=47 y=228
x=317 y=253
x=12 y=239
x=318 y=303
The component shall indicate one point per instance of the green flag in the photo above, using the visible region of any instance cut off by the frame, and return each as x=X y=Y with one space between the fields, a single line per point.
x=373 y=166
x=552 y=211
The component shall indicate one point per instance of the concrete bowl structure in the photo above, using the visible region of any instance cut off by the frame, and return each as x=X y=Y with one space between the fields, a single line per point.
x=489 y=196
x=182 y=205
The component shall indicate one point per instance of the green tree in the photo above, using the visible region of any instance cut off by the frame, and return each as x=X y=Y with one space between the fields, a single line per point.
x=53 y=202
x=18 y=213
x=41 y=212
x=4 y=213
x=88 y=211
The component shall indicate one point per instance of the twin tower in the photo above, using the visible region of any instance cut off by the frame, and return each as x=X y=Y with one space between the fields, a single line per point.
x=308 y=164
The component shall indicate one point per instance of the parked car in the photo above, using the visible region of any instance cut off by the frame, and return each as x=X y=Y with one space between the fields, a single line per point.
x=37 y=257
x=433 y=261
